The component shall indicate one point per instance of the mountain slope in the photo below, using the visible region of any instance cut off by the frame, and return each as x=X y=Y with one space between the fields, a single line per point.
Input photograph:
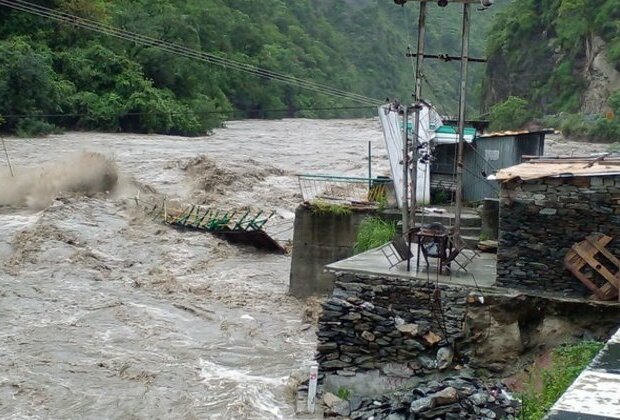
x=90 y=81
x=560 y=55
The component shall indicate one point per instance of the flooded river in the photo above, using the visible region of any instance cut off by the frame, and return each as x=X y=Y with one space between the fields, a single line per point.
x=106 y=313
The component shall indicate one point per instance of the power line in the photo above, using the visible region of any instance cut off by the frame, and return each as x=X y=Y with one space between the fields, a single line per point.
x=221 y=112
x=180 y=50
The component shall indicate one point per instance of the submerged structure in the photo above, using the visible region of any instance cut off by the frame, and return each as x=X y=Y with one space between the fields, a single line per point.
x=237 y=226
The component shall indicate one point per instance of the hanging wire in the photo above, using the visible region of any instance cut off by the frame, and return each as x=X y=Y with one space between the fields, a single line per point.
x=180 y=50
x=221 y=112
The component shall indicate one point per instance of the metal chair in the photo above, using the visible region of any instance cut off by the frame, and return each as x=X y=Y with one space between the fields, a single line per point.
x=397 y=251
x=459 y=247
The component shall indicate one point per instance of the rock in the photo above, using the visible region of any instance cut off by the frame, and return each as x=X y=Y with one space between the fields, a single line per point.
x=408 y=329
x=355 y=402
x=367 y=306
x=487 y=413
x=346 y=358
x=363 y=359
x=351 y=316
x=446 y=396
x=330 y=400
x=331 y=314
x=463 y=386
x=431 y=338
x=334 y=364
x=441 y=412
x=342 y=408
x=427 y=362
x=422 y=404
x=327 y=347
x=368 y=336
x=444 y=357
x=396 y=416
x=346 y=372
x=414 y=344
x=397 y=370
x=479 y=398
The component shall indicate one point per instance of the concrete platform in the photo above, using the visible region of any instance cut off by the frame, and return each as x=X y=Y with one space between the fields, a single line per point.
x=481 y=272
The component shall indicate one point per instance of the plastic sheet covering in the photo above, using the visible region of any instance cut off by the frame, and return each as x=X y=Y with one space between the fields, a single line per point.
x=392 y=132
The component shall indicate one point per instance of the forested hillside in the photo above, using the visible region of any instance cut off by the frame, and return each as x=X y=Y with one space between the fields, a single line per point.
x=84 y=80
x=558 y=57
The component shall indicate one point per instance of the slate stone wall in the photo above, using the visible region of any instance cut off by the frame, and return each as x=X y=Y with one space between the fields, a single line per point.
x=372 y=323
x=541 y=219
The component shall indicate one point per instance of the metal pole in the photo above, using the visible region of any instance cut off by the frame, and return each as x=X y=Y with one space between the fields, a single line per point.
x=420 y=52
x=405 y=209
x=369 y=165
x=417 y=97
x=462 y=104
x=8 y=159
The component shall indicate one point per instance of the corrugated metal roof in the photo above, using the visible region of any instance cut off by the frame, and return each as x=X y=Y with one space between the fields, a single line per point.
x=515 y=133
x=556 y=167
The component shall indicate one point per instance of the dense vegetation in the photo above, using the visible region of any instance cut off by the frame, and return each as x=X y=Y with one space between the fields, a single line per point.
x=84 y=80
x=374 y=232
x=538 y=52
x=567 y=362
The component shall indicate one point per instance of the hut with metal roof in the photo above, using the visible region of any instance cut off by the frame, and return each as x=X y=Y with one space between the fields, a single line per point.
x=483 y=155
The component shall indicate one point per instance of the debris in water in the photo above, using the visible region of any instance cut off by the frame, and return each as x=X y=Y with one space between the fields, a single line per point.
x=236 y=226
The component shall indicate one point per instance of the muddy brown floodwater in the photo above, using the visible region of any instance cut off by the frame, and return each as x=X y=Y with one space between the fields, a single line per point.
x=106 y=313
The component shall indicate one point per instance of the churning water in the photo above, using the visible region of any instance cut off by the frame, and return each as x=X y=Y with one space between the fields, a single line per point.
x=106 y=313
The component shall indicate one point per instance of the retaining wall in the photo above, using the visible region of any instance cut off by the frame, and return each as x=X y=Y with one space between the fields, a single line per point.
x=402 y=347
x=369 y=323
x=320 y=239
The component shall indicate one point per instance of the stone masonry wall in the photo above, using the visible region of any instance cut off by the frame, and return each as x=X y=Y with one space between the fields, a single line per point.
x=541 y=219
x=371 y=323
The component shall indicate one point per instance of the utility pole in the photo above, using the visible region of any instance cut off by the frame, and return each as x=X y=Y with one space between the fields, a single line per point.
x=417 y=96
x=405 y=203
x=462 y=104
x=465 y=59
x=8 y=159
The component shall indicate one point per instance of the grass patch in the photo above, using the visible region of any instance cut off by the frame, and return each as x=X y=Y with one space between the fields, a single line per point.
x=343 y=393
x=322 y=207
x=374 y=232
x=567 y=362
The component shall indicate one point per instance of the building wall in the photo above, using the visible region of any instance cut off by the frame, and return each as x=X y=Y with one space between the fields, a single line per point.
x=541 y=219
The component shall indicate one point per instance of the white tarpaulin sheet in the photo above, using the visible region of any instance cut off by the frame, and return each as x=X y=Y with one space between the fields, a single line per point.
x=393 y=134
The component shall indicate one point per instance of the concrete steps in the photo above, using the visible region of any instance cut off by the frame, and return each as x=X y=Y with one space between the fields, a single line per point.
x=470 y=223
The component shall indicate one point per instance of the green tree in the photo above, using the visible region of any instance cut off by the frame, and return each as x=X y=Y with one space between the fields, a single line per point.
x=513 y=113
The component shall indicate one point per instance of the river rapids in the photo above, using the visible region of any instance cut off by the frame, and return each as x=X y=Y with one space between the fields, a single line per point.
x=107 y=313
